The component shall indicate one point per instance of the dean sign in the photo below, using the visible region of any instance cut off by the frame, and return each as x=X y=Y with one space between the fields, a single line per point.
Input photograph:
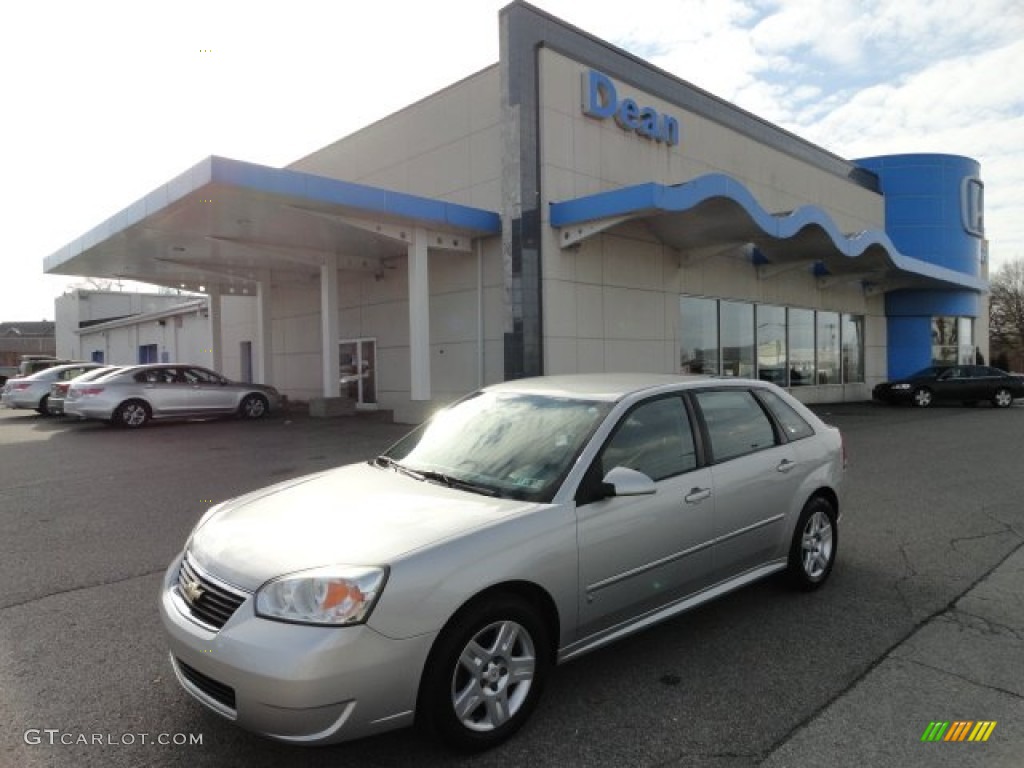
x=600 y=100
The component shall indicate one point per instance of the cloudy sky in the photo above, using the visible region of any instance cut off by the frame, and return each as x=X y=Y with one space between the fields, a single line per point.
x=103 y=101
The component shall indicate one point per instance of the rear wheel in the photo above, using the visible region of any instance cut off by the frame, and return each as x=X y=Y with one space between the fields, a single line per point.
x=131 y=414
x=485 y=674
x=1003 y=398
x=815 y=542
x=253 y=407
x=923 y=397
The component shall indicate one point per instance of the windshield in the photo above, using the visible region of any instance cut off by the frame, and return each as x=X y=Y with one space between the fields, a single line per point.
x=506 y=444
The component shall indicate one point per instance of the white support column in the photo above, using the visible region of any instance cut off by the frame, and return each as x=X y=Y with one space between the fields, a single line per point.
x=329 y=326
x=264 y=330
x=419 y=317
x=216 y=332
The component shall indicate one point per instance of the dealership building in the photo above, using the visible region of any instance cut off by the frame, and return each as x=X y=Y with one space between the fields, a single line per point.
x=570 y=208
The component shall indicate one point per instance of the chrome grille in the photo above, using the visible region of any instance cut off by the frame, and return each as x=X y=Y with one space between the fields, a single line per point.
x=208 y=601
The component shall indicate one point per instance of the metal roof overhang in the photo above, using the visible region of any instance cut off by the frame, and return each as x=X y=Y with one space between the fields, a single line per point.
x=226 y=224
x=714 y=214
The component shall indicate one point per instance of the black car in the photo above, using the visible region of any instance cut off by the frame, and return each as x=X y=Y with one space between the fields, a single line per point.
x=967 y=384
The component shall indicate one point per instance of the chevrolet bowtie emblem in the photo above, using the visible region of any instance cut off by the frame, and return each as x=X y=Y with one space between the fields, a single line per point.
x=192 y=591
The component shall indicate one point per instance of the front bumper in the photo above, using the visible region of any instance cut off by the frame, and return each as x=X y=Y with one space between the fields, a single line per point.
x=294 y=682
x=888 y=395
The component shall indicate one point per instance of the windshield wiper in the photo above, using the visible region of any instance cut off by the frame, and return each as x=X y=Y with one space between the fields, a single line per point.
x=387 y=461
x=455 y=482
x=430 y=475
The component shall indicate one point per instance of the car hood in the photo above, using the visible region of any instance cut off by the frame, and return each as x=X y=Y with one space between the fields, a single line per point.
x=355 y=515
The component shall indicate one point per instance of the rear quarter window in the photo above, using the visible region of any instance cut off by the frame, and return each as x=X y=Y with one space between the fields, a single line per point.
x=793 y=424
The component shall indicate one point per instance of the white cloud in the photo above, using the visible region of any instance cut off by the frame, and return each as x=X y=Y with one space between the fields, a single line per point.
x=116 y=98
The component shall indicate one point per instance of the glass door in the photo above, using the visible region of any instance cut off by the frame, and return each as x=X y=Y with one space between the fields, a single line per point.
x=358 y=371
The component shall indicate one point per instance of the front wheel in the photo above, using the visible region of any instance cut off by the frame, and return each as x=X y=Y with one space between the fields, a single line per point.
x=485 y=674
x=253 y=407
x=132 y=414
x=43 y=409
x=922 y=397
x=1003 y=398
x=815 y=542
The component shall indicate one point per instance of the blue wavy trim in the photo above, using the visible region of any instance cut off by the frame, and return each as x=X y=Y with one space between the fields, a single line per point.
x=653 y=198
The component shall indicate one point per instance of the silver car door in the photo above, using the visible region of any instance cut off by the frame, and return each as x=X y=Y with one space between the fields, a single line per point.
x=638 y=553
x=756 y=476
x=209 y=392
x=164 y=390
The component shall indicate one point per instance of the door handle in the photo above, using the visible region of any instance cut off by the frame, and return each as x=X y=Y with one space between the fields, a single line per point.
x=785 y=465
x=697 y=494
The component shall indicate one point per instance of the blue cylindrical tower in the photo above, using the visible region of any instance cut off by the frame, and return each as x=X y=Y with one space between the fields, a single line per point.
x=934 y=211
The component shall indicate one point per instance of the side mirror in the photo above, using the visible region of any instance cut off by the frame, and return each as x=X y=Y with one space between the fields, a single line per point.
x=622 y=481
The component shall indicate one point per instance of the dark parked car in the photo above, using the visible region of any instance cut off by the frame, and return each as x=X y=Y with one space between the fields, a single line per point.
x=967 y=384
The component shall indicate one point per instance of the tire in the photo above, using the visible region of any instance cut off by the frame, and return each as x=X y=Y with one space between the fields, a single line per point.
x=132 y=414
x=922 y=397
x=43 y=409
x=1003 y=398
x=253 y=407
x=485 y=674
x=815 y=543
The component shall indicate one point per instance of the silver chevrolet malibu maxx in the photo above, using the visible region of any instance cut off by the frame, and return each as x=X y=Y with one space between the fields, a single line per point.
x=527 y=524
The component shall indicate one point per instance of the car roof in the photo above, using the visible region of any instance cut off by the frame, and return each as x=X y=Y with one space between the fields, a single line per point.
x=606 y=386
x=58 y=368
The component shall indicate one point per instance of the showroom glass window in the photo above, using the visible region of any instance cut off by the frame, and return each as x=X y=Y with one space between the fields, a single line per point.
x=737 y=338
x=965 y=333
x=698 y=334
x=945 y=346
x=772 y=354
x=827 y=371
x=801 y=347
x=853 y=349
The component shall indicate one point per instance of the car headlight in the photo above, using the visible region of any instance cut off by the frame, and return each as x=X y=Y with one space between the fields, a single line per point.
x=901 y=386
x=335 y=596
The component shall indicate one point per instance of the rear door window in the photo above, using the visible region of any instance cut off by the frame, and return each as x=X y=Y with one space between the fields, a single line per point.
x=736 y=423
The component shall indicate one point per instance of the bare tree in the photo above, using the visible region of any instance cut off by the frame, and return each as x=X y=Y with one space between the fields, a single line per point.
x=1006 y=313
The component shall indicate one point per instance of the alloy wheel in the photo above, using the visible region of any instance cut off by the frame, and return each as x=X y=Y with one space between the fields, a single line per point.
x=922 y=397
x=493 y=676
x=816 y=545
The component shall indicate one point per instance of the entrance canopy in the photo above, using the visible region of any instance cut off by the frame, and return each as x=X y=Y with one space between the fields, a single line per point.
x=226 y=227
x=715 y=214
x=223 y=223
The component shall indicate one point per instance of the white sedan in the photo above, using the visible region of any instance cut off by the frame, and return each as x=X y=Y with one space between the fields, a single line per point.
x=33 y=392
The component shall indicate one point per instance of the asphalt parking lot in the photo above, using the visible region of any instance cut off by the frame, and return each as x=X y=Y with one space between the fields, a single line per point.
x=90 y=516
